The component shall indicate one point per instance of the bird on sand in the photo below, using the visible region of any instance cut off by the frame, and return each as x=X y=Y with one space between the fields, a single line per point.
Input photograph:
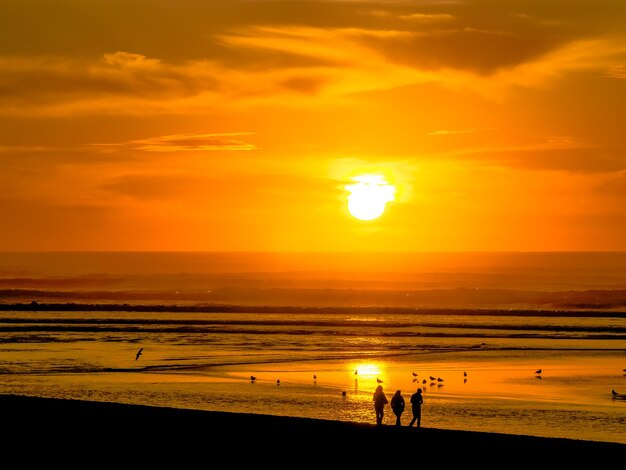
x=314 y=377
x=538 y=371
x=424 y=381
x=464 y=374
x=252 y=378
x=379 y=381
x=414 y=374
x=356 y=372
x=439 y=379
x=277 y=381
x=138 y=354
x=432 y=378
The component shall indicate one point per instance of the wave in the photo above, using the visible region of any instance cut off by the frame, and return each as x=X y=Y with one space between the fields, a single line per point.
x=35 y=306
x=175 y=325
x=542 y=333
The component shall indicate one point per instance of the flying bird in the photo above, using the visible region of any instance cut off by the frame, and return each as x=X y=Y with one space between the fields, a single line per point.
x=414 y=374
x=138 y=354
x=379 y=381
x=538 y=371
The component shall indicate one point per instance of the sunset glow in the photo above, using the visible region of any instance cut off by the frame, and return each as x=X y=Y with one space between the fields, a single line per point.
x=192 y=125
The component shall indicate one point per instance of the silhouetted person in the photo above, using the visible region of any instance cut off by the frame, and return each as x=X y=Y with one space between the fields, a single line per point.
x=416 y=403
x=397 y=405
x=380 y=400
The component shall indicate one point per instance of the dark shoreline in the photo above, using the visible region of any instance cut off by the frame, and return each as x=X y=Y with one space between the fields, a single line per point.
x=92 y=427
x=228 y=308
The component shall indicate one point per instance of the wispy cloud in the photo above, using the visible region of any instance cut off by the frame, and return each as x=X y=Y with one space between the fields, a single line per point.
x=27 y=149
x=460 y=131
x=619 y=71
x=427 y=18
x=194 y=143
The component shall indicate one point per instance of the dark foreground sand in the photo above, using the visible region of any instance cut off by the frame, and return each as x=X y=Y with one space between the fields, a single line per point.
x=86 y=433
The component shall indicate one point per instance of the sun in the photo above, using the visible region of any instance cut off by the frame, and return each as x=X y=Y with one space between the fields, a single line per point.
x=368 y=196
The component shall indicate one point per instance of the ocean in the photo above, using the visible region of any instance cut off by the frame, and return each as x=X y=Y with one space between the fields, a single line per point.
x=319 y=331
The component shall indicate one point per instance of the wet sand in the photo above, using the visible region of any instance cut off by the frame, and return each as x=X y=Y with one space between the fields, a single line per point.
x=70 y=431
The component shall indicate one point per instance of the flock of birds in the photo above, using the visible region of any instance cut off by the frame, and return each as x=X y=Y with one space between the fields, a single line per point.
x=433 y=380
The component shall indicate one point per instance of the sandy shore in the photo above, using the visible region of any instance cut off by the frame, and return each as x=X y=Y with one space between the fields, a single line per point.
x=69 y=430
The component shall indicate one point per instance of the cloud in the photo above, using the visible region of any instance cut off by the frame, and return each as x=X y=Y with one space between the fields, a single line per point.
x=120 y=83
x=194 y=143
x=300 y=54
x=15 y=149
x=584 y=54
x=427 y=18
x=619 y=71
x=453 y=132
x=304 y=84
x=561 y=153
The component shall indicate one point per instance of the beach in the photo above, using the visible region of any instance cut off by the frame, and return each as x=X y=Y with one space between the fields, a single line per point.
x=75 y=428
x=67 y=332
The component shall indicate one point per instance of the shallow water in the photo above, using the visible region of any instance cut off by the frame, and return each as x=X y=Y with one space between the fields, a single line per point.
x=497 y=316
x=205 y=360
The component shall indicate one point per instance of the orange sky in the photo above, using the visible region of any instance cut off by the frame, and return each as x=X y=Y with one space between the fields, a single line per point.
x=236 y=125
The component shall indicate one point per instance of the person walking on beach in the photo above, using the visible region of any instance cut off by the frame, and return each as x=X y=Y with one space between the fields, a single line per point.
x=397 y=405
x=416 y=402
x=380 y=400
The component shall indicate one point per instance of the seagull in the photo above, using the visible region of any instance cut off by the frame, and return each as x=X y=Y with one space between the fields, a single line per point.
x=356 y=372
x=277 y=381
x=538 y=371
x=424 y=381
x=252 y=378
x=378 y=380
x=614 y=393
x=464 y=374
x=138 y=354
x=439 y=379
x=432 y=378
x=314 y=377
x=414 y=374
